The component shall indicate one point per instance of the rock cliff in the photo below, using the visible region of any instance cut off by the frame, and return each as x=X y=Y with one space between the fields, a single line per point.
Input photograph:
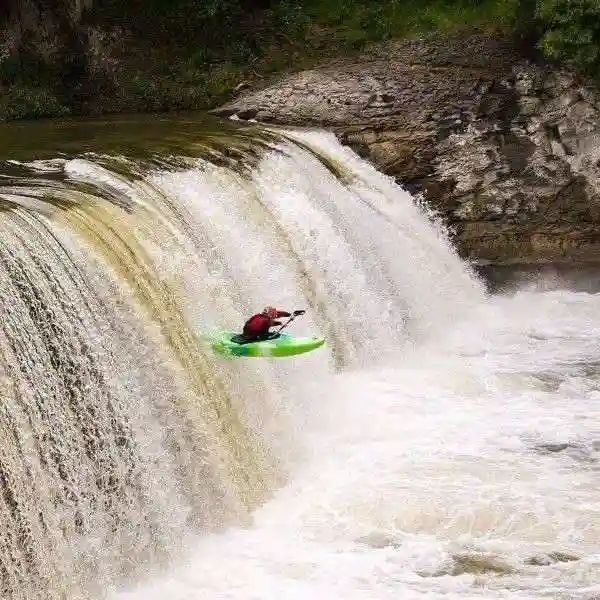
x=503 y=147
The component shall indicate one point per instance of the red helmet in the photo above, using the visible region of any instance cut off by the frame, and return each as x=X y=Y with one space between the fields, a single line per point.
x=270 y=312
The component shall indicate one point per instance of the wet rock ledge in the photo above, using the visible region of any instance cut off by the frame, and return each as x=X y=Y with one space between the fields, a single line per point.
x=503 y=147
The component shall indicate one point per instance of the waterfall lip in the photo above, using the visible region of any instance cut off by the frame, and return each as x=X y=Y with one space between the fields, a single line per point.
x=42 y=146
x=51 y=165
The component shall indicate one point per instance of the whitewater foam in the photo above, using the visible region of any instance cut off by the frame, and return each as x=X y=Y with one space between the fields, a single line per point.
x=467 y=470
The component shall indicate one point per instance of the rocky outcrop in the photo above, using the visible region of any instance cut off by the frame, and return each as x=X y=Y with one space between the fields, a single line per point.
x=504 y=148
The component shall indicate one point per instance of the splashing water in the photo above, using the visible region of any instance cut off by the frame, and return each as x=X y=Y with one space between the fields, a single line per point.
x=444 y=444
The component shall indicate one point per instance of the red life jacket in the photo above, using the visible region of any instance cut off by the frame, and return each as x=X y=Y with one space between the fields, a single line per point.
x=257 y=325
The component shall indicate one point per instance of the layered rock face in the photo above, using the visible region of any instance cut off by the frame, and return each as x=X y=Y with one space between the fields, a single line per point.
x=505 y=149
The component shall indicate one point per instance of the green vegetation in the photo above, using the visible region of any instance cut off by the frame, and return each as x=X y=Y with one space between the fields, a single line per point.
x=571 y=32
x=161 y=55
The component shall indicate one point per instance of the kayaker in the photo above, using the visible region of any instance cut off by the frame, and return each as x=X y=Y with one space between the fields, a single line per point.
x=258 y=325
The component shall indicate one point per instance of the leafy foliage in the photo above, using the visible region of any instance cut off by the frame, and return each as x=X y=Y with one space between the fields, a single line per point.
x=571 y=32
x=23 y=102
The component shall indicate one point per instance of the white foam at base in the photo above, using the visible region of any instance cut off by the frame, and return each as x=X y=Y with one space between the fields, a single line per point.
x=440 y=456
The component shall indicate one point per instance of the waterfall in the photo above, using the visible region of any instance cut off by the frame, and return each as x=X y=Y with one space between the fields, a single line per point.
x=122 y=433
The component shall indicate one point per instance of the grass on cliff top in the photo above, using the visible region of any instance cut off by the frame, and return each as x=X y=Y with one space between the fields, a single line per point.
x=359 y=23
x=328 y=30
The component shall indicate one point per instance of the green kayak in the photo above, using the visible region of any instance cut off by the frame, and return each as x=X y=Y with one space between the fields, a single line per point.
x=224 y=343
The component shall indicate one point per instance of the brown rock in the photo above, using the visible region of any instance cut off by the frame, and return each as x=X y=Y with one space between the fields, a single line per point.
x=506 y=151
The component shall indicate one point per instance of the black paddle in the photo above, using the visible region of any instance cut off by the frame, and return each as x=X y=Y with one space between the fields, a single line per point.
x=295 y=314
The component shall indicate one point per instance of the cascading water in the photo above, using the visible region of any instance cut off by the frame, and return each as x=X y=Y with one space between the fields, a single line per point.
x=415 y=455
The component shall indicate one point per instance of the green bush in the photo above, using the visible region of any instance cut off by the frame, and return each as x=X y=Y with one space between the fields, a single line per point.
x=290 y=18
x=24 y=102
x=571 y=32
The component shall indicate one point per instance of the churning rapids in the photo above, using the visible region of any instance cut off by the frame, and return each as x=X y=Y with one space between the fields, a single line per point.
x=445 y=443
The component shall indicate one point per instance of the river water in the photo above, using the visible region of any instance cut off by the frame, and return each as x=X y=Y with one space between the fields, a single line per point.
x=444 y=443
